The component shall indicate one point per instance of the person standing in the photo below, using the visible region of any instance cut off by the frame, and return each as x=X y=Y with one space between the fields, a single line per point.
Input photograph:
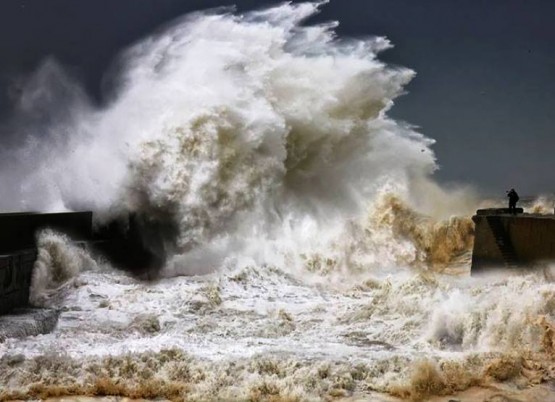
x=513 y=199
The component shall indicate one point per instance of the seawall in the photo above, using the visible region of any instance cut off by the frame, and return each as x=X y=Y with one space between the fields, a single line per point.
x=16 y=270
x=517 y=241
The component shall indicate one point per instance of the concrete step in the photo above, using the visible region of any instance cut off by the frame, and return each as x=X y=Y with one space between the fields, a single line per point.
x=503 y=241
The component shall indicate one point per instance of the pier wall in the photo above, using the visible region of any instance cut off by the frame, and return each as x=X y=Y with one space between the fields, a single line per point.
x=18 y=230
x=509 y=241
x=16 y=270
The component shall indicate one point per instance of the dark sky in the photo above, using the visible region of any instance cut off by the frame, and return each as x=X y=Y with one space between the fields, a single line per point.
x=485 y=85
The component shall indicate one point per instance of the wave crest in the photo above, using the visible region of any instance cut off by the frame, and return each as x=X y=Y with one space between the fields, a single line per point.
x=58 y=262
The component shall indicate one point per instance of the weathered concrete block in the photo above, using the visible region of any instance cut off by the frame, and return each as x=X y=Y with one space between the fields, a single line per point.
x=512 y=241
x=15 y=279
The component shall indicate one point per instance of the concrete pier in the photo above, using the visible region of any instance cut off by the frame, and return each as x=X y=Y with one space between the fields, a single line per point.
x=16 y=270
x=18 y=230
x=510 y=241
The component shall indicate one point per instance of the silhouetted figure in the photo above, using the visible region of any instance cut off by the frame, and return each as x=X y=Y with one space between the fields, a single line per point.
x=513 y=199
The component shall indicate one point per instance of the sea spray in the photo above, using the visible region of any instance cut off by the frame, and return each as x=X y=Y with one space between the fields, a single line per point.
x=58 y=262
x=235 y=129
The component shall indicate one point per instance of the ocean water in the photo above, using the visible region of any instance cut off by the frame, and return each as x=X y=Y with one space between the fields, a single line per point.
x=265 y=333
x=310 y=255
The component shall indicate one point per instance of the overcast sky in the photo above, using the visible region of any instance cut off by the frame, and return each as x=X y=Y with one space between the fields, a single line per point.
x=485 y=85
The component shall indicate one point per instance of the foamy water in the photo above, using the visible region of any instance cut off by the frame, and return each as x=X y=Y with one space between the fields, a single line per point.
x=250 y=330
x=310 y=254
